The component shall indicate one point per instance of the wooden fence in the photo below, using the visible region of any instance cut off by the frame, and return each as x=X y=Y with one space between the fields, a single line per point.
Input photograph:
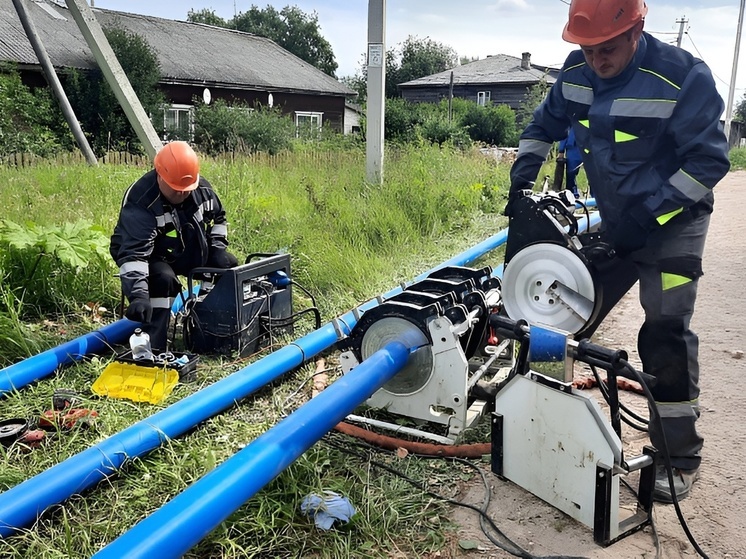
x=72 y=158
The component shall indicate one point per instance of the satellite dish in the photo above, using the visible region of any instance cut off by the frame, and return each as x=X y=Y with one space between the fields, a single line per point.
x=270 y=100
x=206 y=96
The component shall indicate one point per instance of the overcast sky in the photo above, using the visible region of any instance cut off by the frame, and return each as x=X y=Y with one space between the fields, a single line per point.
x=483 y=27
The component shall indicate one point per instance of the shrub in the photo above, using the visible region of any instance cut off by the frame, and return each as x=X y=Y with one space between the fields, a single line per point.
x=220 y=127
x=29 y=119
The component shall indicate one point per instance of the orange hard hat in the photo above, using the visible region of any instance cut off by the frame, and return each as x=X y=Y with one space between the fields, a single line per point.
x=592 y=22
x=178 y=165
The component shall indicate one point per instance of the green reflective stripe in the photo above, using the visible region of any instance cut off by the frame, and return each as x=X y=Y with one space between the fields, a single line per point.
x=645 y=108
x=578 y=93
x=670 y=281
x=688 y=185
x=665 y=218
x=657 y=75
x=578 y=65
x=586 y=123
x=173 y=234
x=620 y=137
x=535 y=147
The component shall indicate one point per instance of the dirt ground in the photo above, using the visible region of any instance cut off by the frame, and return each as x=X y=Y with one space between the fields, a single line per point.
x=715 y=512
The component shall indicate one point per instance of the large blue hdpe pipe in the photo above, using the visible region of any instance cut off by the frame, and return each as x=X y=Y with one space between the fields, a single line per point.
x=185 y=520
x=34 y=368
x=21 y=505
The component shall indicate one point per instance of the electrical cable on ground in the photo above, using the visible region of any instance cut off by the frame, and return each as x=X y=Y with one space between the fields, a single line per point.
x=511 y=547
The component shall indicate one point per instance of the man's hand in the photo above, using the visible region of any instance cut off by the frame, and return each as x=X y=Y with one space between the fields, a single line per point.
x=221 y=258
x=632 y=232
x=140 y=310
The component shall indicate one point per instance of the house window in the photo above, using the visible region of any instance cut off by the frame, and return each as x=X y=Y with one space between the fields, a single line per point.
x=307 y=124
x=483 y=97
x=178 y=122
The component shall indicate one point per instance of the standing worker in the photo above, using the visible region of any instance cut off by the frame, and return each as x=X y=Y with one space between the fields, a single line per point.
x=171 y=222
x=646 y=116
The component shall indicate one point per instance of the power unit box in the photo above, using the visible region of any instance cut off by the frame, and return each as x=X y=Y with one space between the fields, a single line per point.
x=242 y=309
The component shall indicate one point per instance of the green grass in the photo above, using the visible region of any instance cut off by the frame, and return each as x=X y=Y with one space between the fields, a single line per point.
x=349 y=242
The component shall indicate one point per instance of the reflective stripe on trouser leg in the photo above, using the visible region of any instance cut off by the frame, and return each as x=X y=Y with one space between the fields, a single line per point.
x=164 y=286
x=667 y=346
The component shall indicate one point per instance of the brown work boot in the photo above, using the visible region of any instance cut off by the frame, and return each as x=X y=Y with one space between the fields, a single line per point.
x=682 y=484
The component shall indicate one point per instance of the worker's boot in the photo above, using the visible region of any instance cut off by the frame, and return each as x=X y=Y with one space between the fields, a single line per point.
x=682 y=484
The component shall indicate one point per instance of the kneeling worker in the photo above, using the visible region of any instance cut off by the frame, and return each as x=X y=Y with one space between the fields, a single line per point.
x=171 y=222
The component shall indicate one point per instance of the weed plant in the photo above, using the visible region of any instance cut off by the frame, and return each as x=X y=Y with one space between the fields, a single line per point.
x=349 y=241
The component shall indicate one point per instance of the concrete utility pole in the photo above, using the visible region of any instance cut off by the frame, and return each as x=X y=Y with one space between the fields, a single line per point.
x=376 y=89
x=682 y=22
x=115 y=76
x=732 y=88
x=54 y=82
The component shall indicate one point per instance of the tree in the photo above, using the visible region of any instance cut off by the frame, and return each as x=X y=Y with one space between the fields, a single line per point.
x=740 y=112
x=533 y=98
x=206 y=16
x=101 y=117
x=291 y=28
x=415 y=59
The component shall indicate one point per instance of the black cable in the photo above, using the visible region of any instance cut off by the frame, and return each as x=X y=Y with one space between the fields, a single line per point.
x=666 y=456
x=605 y=393
x=517 y=550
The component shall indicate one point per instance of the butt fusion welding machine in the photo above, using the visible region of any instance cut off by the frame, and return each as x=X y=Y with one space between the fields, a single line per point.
x=238 y=309
x=547 y=437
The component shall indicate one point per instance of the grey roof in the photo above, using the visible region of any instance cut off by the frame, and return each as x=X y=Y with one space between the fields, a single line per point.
x=500 y=68
x=189 y=53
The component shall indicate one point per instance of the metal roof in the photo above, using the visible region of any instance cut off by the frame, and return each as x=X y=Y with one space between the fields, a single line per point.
x=500 y=68
x=189 y=53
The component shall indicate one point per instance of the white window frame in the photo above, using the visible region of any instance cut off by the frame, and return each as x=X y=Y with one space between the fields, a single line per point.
x=179 y=109
x=483 y=97
x=312 y=116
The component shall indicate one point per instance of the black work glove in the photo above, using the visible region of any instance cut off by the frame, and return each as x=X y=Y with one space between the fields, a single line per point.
x=632 y=232
x=221 y=258
x=140 y=310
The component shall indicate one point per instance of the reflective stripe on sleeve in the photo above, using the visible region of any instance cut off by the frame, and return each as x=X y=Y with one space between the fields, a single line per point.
x=535 y=147
x=219 y=230
x=688 y=185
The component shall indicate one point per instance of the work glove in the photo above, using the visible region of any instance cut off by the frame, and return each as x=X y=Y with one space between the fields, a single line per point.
x=632 y=232
x=140 y=310
x=221 y=258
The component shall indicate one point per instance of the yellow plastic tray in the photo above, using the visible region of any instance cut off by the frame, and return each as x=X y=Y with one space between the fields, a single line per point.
x=138 y=383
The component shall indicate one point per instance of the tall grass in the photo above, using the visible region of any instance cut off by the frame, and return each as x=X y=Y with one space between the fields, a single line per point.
x=349 y=241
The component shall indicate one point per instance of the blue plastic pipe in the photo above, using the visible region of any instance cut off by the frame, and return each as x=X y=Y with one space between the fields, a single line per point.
x=22 y=504
x=185 y=520
x=34 y=368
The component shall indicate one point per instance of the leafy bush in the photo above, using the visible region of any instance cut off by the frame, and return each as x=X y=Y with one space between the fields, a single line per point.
x=51 y=267
x=29 y=119
x=491 y=124
x=737 y=158
x=220 y=127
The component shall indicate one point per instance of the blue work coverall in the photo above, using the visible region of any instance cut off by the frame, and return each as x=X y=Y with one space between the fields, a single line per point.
x=652 y=144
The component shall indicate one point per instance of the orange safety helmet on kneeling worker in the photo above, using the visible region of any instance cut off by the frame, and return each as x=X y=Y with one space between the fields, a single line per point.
x=592 y=22
x=178 y=165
